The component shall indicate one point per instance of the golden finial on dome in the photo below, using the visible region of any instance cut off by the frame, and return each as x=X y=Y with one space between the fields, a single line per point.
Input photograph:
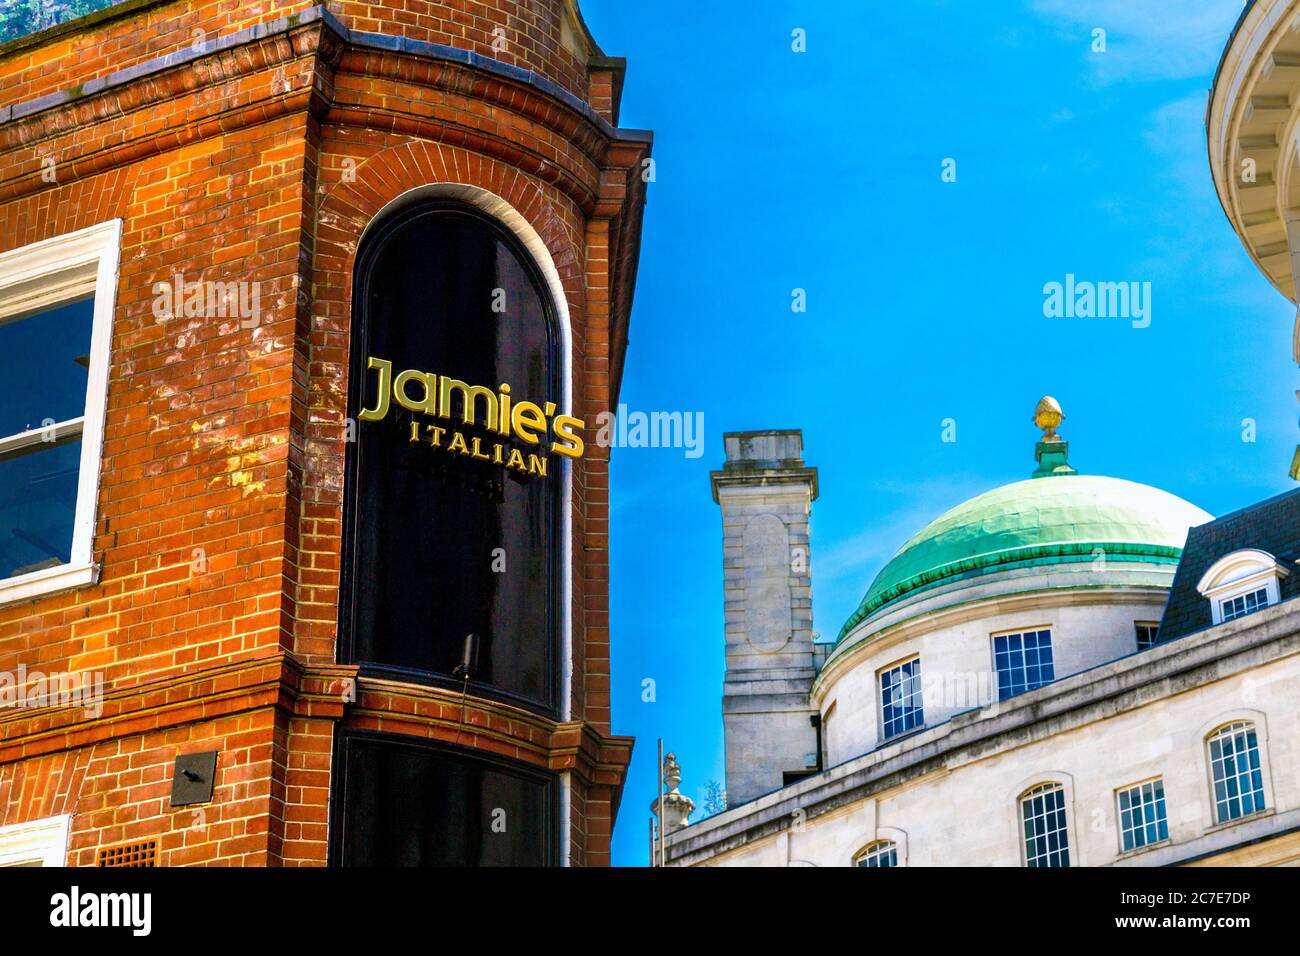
x=1047 y=416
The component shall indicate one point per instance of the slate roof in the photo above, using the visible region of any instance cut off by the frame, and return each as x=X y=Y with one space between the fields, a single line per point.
x=1272 y=525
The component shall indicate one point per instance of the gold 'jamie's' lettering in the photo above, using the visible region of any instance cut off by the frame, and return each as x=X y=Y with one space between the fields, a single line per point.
x=428 y=382
x=468 y=394
x=567 y=443
x=379 y=412
x=526 y=421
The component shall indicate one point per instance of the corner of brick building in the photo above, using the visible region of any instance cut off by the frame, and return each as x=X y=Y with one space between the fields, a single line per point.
x=263 y=151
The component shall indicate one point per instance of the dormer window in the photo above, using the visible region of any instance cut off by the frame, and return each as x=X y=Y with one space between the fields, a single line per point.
x=1244 y=604
x=1241 y=583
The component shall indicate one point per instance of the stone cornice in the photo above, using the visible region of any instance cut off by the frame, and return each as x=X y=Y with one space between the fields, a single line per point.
x=212 y=692
x=316 y=34
x=1181 y=665
x=1249 y=118
x=436 y=712
x=915 y=619
x=327 y=692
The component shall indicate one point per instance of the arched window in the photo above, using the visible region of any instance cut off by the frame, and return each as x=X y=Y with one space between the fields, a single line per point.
x=1046 y=829
x=1235 y=771
x=453 y=487
x=880 y=853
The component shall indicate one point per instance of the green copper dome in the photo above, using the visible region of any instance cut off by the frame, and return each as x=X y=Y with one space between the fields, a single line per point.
x=1040 y=521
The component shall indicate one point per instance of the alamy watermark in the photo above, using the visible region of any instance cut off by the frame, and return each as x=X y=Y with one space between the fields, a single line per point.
x=24 y=688
x=1073 y=299
x=207 y=299
x=624 y=429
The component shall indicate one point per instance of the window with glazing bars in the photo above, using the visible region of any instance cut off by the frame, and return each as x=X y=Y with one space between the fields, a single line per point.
x=1244 y=604
x=1235 y=772
x=1023 y=661
x=1047 y=837
x=901 y=708
x=1142 y=819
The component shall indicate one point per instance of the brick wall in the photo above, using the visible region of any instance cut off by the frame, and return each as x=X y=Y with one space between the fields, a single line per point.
x=529 y=34
x=219 y=512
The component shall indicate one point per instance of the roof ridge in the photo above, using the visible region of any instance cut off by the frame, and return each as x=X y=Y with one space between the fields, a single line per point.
x=1252 y=507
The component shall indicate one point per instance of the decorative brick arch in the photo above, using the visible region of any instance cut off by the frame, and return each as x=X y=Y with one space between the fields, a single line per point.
x=359 y=195
x=65 y=208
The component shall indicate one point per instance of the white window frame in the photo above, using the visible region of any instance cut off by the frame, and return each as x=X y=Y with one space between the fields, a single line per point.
x=44 y=842
x=877 y=848
x=1240 y=573
x=880 y=709
x=34 y=278
x=1155 y=627
x=1246 y=719
x=1021 y=632
x=1041 y=790
x=1119 y=815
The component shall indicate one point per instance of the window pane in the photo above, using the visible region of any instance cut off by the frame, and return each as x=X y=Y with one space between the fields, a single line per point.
x=1047 y=841
x=1146 y=635
x=901 y=699
x=38 y=502
x=1142 y=815
x=1234 y=767
x=1023 y=662
x=43 y=361
x=404 y=804
x=440 y=545
x=882 y=854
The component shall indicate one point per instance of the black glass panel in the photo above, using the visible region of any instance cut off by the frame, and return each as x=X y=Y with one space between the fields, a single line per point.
x=407 y=804
x=438 y=545
x=43 y=362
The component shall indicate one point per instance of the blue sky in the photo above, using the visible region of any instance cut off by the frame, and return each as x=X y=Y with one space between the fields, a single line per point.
x=821 y=170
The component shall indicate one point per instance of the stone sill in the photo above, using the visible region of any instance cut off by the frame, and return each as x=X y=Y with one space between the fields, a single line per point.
x=65 y=577
x=1238 y=821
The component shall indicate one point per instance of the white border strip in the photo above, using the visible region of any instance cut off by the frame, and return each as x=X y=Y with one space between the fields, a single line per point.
x=38 y=276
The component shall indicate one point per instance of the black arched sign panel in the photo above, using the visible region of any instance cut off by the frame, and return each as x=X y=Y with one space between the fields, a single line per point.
x=454 y=475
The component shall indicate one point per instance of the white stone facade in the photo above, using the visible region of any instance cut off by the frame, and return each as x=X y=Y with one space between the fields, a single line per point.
x=951 y=631
x=949 y=795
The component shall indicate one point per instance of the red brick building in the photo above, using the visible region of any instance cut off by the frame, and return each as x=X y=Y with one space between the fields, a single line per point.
x=218 y=220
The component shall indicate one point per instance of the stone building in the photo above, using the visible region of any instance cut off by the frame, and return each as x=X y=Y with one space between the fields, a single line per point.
x=303 y=309
x=1069 y=670
x=1251 y=120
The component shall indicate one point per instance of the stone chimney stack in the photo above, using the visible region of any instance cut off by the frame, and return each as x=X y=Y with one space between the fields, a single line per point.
x=766 y=494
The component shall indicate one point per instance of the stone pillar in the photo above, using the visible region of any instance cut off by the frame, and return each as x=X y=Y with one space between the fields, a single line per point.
x=766 y=495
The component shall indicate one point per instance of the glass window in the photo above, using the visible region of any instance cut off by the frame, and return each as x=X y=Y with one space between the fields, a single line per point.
x=1235 y=772
x=43 y=366
x=1245 y=604
x=407 y=803
x=1146 y=634
x=1047 y=838
x=1023 y=662
x=900 y=699
x=1142 y=818
x=56 y=312
x=442 y=540
x=880 y=853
